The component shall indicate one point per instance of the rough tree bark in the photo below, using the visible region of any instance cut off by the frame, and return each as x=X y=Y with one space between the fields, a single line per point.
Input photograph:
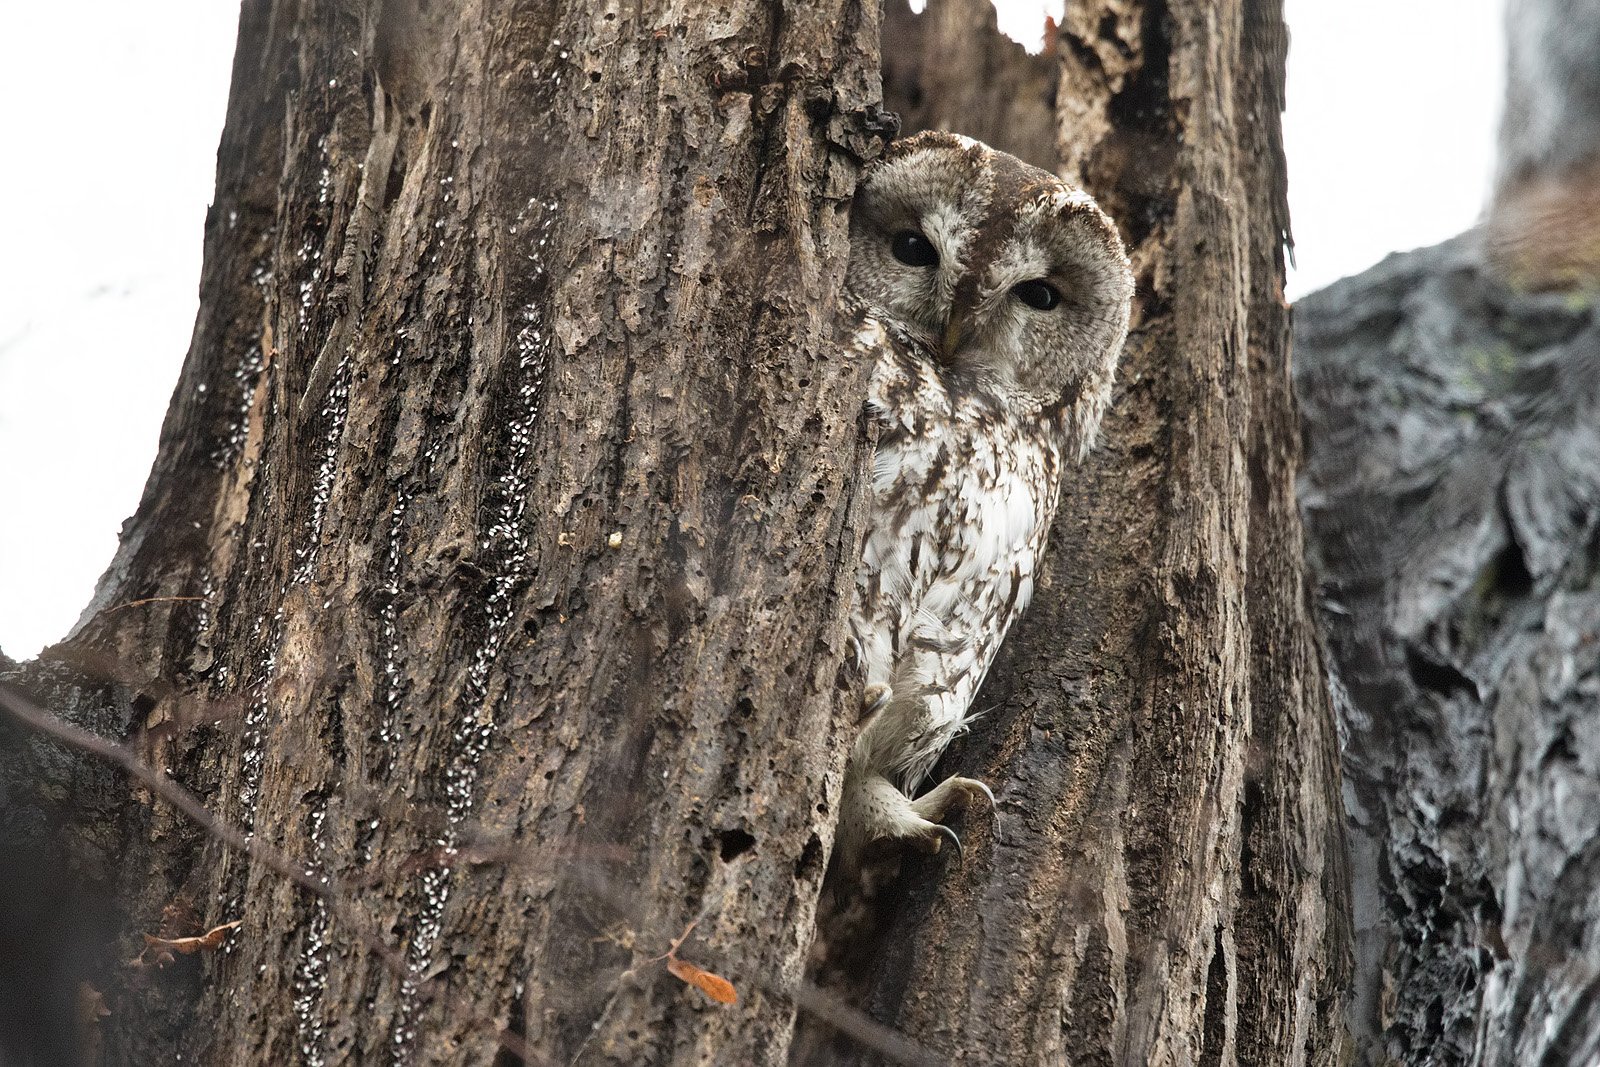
x=1452 y=494
x=519 y=484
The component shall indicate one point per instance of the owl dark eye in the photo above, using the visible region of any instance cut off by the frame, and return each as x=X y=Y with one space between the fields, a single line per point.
x=1038 y=294
x=913 y=249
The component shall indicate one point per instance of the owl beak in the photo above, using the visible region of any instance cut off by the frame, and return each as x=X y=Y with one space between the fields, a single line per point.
x=955 y=337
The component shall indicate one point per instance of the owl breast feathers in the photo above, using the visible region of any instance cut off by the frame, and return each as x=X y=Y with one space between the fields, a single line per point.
x=993 y=300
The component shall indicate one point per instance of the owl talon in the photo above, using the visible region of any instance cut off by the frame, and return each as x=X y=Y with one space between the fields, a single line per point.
x=945 y=831
x=953 y=793
x=874 y=810
x=874 y=699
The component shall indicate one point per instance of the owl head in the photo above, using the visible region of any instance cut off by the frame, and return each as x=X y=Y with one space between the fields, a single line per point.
x=1007 y=276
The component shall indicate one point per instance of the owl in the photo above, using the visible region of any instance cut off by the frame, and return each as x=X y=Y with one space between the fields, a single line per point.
x=993 y=299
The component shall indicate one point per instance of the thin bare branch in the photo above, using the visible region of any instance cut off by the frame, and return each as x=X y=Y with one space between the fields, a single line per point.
x=147 y=600
x=863 y=1029
x=849 y=1021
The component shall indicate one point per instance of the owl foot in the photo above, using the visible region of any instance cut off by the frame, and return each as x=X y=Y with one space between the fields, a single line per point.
x=951 y=794
x=874 y=810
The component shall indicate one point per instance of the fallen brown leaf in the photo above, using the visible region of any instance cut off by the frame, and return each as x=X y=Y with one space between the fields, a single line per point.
x=714 y=986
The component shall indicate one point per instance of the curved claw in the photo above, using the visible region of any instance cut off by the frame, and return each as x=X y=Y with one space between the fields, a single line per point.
x=932 y=836
x=874 y=700
x=994 y=808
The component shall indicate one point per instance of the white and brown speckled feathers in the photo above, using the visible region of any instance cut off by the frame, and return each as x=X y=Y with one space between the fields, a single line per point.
x=993 y=299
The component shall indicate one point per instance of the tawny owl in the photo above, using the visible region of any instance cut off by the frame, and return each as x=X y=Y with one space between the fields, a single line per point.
x=994 y=299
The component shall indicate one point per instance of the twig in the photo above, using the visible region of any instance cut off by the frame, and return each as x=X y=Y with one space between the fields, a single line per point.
x=863 y=1029
x=148 y=600
x=170 y=791
x=854 y=1024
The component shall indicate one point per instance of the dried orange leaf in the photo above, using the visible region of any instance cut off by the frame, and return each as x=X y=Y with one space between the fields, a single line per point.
x=714 y=986
x=211 y=939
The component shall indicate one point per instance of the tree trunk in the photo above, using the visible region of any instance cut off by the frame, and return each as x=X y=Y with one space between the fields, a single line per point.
x=950 y=68
x=520 y=481
x=512 y=458
x=1165 y=883
x=1543 y=228
x=1453 y=497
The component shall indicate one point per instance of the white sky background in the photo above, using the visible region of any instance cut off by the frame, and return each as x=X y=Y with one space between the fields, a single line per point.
x=113 y=112
x=111 y=129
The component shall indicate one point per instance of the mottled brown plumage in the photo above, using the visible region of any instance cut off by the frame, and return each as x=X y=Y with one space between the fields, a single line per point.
x=993 y=299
